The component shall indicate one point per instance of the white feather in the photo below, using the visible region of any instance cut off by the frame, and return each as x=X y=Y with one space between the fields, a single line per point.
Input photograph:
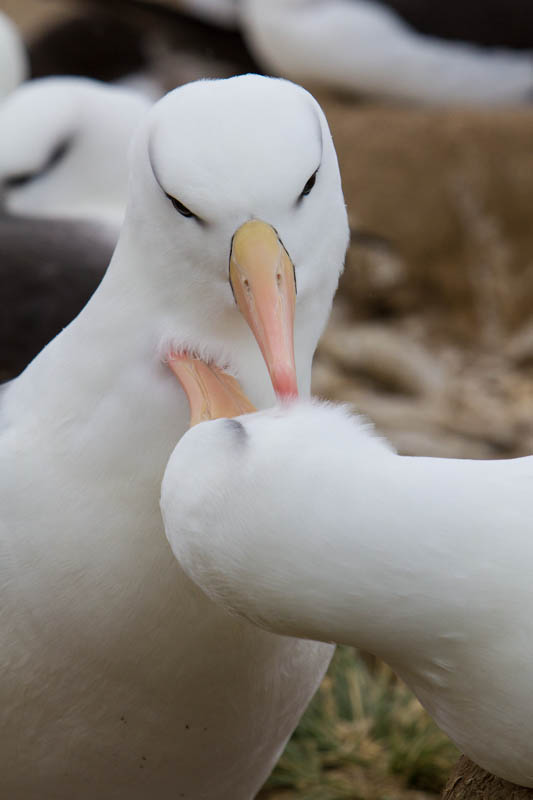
x=364 y=47
x=307 y=524
x=94 y=122
x=113 y=659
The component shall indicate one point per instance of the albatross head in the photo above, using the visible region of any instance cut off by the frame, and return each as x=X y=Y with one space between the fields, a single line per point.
x=236 y=223
x=63 y=148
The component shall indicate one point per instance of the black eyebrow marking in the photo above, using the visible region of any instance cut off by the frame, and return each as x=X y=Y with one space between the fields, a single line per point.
x=301 y=196
x=303 y=193
x=56 y=155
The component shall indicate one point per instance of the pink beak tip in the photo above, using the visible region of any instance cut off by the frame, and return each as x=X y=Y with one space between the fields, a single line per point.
x=285 y=386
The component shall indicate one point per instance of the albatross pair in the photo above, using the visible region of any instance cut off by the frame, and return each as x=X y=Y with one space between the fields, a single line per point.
x=120 y=677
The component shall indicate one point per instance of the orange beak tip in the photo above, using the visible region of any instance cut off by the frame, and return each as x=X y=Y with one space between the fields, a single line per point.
x=284 y=384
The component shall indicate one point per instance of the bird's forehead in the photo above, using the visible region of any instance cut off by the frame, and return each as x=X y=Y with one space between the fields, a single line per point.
x=235 y=141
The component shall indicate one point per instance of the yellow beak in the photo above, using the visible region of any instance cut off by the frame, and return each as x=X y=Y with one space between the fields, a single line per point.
x=262 y=278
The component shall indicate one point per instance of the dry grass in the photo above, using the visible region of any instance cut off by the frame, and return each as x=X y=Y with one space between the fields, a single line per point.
x=364 y=737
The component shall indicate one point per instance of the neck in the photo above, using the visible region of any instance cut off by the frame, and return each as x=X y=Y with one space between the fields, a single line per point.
x=105 y=373
x=390 y=554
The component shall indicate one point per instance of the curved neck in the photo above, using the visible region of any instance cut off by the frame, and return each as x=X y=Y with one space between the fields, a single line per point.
x=394 y=555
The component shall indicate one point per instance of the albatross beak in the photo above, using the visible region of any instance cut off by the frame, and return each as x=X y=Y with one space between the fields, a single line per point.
x=262 y=279
x=211 y=392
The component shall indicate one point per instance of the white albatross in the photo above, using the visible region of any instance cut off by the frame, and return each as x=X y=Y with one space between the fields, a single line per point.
x=120 y=678
x=306 y=523
x=366 y=47
x=63 y=148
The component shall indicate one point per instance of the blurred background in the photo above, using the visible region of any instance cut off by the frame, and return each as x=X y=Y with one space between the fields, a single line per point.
x=431 y=335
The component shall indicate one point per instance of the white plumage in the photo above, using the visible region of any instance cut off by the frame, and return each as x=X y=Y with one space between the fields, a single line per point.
x=14 y=66
x=303 y=521
x=365 y=47
x=63 y=148
x=120 y=678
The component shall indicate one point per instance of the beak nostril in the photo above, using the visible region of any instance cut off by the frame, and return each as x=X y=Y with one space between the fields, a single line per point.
x=278 y=278
x=246 y=284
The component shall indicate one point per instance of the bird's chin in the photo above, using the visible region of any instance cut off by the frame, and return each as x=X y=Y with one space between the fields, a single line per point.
x=212 y=391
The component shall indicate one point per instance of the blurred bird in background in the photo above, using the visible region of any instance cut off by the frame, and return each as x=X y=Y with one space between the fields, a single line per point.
x=402 y=50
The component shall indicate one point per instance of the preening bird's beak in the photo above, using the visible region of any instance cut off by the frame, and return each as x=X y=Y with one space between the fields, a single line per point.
x=211 y=392
x=262 y=278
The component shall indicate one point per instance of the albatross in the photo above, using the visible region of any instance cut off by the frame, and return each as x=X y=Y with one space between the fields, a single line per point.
x=63 y=179
x=63 y=149
x=120 y=678
x=303 y=521
x=365 y=46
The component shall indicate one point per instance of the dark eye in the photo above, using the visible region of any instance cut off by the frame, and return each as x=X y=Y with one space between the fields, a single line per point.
x=309 y=185
x=183 y=210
